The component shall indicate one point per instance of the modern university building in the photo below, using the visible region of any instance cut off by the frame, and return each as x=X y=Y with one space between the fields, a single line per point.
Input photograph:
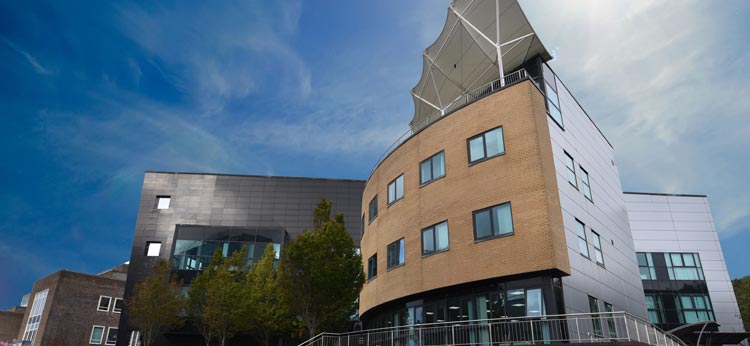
x=499 y=217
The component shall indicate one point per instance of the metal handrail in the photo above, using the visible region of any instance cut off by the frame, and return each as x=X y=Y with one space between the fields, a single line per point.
x=574 y=328
x=458 y=103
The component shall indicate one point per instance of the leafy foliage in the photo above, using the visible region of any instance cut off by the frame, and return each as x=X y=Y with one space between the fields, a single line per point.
x=321 y=274
x=742 y=292
x=270 y=316
x=156 y=304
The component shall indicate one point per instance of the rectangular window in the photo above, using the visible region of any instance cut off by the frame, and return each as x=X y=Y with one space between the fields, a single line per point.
x=655 y=309
x=486 y=145
x=118 y=305
x=104 y=303
x=135 y=338
x=610 y=320
x=493 y=222
x=597 y=241
x=684 y=266
x=583 y=246
x=153 y=248
x=553 y=102
x=694 y=308
x=97 y=335
x=435 y=238
x=374 y=208
x=111 y=336
x=570 y=165
x=372 y=267
x=395 y=253
x=594 y=308
x=646 y=266
x=585 y=184
x=396 y=189
x=162 y=202
x=35 y=316
x=432 y=168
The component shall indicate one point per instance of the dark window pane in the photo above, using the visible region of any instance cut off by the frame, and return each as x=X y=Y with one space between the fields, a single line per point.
x=482 y=224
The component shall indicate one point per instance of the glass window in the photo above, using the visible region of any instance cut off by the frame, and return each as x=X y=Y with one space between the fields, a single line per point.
x=111 y=336
x=585 y=184
x=103 y=303
x=553 y=103
x=493 y=222
x=162 y=202
x=516 y=303
x=534 y=303
x=486 y=145
x=433 y=168
x=373 y=208
x=610 y=320
x=694 y=308
x=655 y=309
x=597 y=247
x=646 y=266
x=118 y=305
x=435 y=238
x=583 y=246
x=372 y=267
x=135 y=338
x=396 y=189
x=684 y=266
x=35 y=316
x=570 y=165
x=395 y=253
x=597 y=323
x=153 y=248
x=97 y=335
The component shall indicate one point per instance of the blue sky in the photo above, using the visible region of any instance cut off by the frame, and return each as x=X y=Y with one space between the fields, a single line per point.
x=93 y=94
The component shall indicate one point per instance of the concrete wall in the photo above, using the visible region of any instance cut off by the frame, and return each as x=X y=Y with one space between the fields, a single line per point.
x=618 y=282
x=678 y=223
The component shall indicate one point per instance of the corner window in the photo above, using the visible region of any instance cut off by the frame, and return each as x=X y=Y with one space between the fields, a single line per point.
x=111 y=336
x=372 y=267
x=646 y=266
x=486 y=145
x=373 y=208
x=570 y=165
x=153 y=248
x=493 y=222
x=97 y=335
x=396 y=253
x=596 y=240
x=553 y=102
x=583 y=246
x=118 y=306
x=585 y=185
x=103 y=303
x=162 y=202
x=435 y=238
x=396 y=189
x=433 y=168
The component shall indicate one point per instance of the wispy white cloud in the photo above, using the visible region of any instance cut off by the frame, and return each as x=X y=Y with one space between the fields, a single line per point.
x=31 y=60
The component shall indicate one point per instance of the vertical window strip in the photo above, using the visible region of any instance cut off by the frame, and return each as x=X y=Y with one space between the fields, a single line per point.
x=585 y=184
x=37 y=309
x=646 y=266
x=570 y=165
x=583 y=246
x=598 y=254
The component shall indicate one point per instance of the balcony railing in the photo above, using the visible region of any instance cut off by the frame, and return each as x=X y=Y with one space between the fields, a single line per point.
x=458 y=103
x=608 y=327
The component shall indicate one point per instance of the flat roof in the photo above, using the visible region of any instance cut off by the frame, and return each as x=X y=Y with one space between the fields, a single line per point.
x=257 y=176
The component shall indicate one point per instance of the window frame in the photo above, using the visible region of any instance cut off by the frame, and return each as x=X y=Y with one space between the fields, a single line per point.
x=99 y=303
x=91 y=336
x=556 y=92
x=597 y=238
x=372 y=267
x=484 y=146
x=493 y=227
x=571 y=169
x=586 y=184
x=401 y=251
x=148 y=248
x=159 y=199
x=648 y=256
x=114 y=306
x=585 y=239
x=432 y=169
x=394 y=182
x=433 y=229
x=373 y=201
x=106 y=339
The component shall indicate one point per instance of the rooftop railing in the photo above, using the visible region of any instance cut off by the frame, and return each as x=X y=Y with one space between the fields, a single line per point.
x=606 y=327
x=458 y=103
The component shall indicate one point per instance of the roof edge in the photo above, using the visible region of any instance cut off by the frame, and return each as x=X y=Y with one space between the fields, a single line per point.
x=664 y=194
x=255 y=176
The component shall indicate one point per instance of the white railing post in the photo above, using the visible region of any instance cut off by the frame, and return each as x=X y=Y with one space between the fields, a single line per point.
x=627 y=330
x=531 y=323
x=489 y=331
x=578 y=330
x=453 y=334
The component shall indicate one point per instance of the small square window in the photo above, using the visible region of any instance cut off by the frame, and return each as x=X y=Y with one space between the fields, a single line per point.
x=153 y=248
x=97 y=334
x=162 y=202
x=118 y=305
x=111 y=336
x=104 y=302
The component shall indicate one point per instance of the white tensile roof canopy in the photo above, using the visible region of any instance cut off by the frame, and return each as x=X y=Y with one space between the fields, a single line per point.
x=479 y=36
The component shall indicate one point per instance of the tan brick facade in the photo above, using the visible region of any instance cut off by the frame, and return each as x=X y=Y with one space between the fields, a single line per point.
x=524 y=175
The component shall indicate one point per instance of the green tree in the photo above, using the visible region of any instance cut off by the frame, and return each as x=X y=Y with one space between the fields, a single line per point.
x=742 y=292
x=215 y=297
x=321 y=274
x=270 y=316
x=156 y=304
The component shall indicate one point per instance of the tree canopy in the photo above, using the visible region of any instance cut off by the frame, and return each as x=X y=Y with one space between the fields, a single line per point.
x=742 y=292
x=156 y=304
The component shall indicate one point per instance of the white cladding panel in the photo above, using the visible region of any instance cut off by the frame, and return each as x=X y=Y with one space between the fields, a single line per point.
x=618 y=281
x=685 y=224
